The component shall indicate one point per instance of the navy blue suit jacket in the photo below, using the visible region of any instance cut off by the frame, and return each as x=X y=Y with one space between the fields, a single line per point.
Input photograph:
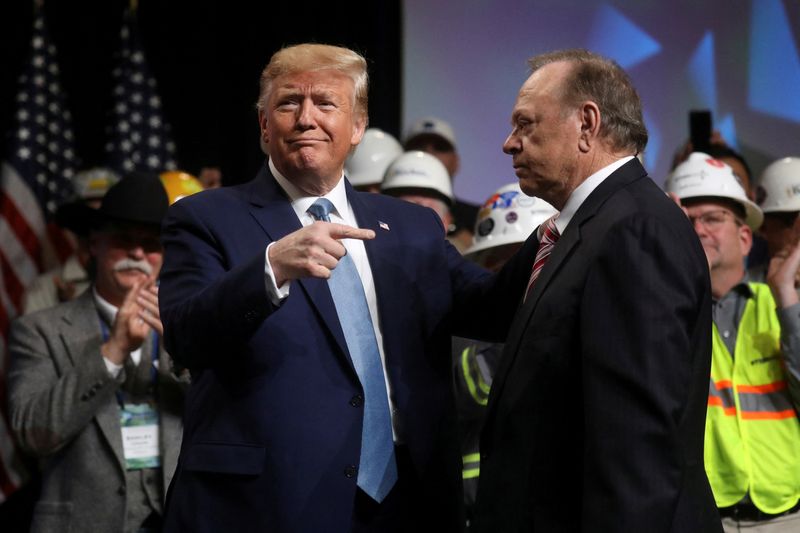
x=273 y=420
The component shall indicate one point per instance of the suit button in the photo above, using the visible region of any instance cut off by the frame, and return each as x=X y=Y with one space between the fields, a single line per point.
x=84 y=396
x=357 y=400
x=121 y=490
x=350 y=471
x=250 y=316
x=484 y=456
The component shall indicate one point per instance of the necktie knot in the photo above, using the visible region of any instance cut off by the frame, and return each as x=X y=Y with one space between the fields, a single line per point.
x=546 y=244
x=321 y=209
x=551 y=233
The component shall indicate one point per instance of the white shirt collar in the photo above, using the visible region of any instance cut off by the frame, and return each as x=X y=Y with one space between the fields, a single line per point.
x=301 y=201
x=582 y=192
x=107 y=311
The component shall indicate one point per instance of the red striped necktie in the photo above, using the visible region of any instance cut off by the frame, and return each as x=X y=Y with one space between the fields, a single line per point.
x=549 y=238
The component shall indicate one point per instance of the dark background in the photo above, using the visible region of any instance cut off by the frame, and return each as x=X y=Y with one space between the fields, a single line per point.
x=206 y=56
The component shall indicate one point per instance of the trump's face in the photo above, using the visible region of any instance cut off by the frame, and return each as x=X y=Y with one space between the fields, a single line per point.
x=310 y=125
x=544 y=137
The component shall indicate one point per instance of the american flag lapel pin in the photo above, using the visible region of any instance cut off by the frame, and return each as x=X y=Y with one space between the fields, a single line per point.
x=383 y=225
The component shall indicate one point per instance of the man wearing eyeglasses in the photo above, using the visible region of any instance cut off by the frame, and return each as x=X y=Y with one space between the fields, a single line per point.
x=752 y=441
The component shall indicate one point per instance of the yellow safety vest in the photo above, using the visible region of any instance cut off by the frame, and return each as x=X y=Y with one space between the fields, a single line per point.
x=752 y=439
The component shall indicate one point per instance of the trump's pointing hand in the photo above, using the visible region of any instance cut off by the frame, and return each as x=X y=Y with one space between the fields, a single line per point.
x=312 y=251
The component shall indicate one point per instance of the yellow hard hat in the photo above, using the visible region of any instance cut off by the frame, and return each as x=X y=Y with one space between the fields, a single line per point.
x=179 y=184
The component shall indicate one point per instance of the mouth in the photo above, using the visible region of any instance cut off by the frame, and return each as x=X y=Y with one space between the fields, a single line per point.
x=300 y=143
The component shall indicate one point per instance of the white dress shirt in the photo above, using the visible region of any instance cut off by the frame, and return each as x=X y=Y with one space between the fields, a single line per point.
x=342 y=214
x=582 y=192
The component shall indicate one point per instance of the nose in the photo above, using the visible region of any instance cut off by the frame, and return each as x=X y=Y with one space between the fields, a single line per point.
x=511 y=145
x=699 y=227
x=136 y=251
x=305 y=118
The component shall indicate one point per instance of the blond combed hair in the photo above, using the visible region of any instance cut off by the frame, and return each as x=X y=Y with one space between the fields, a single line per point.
x=308 y=57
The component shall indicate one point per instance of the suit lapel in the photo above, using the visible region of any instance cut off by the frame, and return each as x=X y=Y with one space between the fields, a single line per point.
x=627 y=173
x=82 y=337
x=273 y=211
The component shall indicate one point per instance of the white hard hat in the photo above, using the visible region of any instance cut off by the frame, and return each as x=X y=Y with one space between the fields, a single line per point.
x=779 y=187
x=93 y=183
x=416 y=171
x=508 y=216
x=367 y=164
x=703 y=176
x=432 y=126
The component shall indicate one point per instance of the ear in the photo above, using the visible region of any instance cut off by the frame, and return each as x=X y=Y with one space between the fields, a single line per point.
x=262 y=124
x=359 y=127
x=589 y=116
x=745 y=239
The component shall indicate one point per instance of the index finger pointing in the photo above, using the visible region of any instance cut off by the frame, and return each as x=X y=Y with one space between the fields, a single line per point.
x=340 y=231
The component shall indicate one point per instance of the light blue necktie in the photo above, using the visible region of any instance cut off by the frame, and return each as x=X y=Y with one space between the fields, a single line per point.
x=377 y=471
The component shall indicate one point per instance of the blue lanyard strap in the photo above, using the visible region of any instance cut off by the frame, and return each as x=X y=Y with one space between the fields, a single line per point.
x=153 y=356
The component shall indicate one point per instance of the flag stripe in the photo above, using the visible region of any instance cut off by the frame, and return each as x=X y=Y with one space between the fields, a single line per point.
x=34 y=179
x=16 y=263
x=13 y=287
x=26 y=244
x=25 y=201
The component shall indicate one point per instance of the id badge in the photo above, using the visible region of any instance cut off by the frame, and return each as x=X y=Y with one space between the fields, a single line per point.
x=140 y=442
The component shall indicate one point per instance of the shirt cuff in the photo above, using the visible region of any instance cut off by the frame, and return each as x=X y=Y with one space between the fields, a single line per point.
x=113 y=368
x=276 y=294
x=789 y=319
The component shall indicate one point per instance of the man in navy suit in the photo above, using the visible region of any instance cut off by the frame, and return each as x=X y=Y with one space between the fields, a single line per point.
x=287 y=428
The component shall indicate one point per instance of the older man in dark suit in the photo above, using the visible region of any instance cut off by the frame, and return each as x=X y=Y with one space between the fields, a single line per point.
x=596 y=416
x=92 y=393
x=316 y=322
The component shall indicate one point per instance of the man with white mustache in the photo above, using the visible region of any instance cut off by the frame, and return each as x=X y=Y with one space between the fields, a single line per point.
x=91 y=390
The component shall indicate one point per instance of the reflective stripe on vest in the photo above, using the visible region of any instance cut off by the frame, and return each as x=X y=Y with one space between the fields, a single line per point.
x=752 y=439
x=472 y=465
x=473 y=377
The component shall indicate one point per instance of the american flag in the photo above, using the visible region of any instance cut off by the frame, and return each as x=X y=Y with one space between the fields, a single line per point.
x=139 y=138
x=35 y=177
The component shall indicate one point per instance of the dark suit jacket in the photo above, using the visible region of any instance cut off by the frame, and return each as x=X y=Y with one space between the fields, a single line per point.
x=273 y=422
x=596 y=415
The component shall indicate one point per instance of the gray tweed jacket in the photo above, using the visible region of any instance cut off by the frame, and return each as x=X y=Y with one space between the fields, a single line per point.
x=64 y=411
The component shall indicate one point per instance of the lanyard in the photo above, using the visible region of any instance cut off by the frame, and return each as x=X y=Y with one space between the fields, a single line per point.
x=153 y=357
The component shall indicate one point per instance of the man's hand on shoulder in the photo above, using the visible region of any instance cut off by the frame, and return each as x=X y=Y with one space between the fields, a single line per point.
x=312 y=251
